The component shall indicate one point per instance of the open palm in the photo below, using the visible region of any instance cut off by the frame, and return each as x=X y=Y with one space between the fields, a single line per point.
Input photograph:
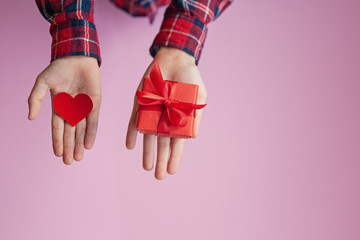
x=178 y=66
x=74 y=74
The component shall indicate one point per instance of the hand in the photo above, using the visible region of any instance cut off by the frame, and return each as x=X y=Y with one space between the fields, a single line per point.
x=73 y=74
x=175 y=65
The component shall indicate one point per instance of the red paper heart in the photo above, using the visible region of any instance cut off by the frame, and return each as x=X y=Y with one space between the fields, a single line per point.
x=72 y=110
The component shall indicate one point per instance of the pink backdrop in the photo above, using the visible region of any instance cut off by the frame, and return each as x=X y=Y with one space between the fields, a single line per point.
x=278 y=153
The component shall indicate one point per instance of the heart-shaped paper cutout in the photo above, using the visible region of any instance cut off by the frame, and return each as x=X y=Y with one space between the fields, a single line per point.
x=72 y=110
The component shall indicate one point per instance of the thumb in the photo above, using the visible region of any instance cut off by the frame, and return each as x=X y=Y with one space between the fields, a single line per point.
x=36 y=96
x=132 y=131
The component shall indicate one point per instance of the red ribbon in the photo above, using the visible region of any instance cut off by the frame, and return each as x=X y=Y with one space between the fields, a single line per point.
x=174 y=112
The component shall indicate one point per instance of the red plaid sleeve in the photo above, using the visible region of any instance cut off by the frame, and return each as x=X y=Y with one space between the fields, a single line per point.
x=185 y=21
x=140 y=7
x=72 y=28
x=185 y=25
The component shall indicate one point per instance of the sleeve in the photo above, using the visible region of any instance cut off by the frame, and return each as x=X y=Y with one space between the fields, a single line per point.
x=185 y=25
x=72 y=27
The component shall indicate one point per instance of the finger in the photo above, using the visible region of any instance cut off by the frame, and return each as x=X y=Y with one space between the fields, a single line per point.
x=177 y=147
x=79 y=140
x=57 y=129
x=69 y=139
x=148 y=151
x=163 y=150
x=132 y=131
x=201 y=100
x=36 y=96
x=91 y=128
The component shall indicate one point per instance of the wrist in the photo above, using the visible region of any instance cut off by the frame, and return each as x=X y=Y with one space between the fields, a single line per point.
x=175 y=54
x=78 y=60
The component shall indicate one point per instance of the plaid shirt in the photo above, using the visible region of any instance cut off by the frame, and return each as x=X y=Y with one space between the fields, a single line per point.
x=184 y=26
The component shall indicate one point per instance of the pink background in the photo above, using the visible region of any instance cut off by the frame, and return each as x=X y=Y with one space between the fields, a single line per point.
x=278 y=153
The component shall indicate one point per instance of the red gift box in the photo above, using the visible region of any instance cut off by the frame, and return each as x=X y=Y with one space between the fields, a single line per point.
x=166 y=108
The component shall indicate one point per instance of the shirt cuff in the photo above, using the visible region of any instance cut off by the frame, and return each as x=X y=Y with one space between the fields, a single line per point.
x=74 y=38
x=182 y=31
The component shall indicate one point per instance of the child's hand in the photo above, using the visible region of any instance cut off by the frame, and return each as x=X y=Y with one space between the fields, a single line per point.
x=74 y=74
x=175 y=65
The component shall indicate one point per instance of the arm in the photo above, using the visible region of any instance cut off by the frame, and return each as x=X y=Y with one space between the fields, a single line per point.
x=74 y=69
x=72 y=28
x=177 y=47
x=185 y=25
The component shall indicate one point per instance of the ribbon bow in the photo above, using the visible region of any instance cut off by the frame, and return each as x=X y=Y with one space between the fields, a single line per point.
x=174 y=111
